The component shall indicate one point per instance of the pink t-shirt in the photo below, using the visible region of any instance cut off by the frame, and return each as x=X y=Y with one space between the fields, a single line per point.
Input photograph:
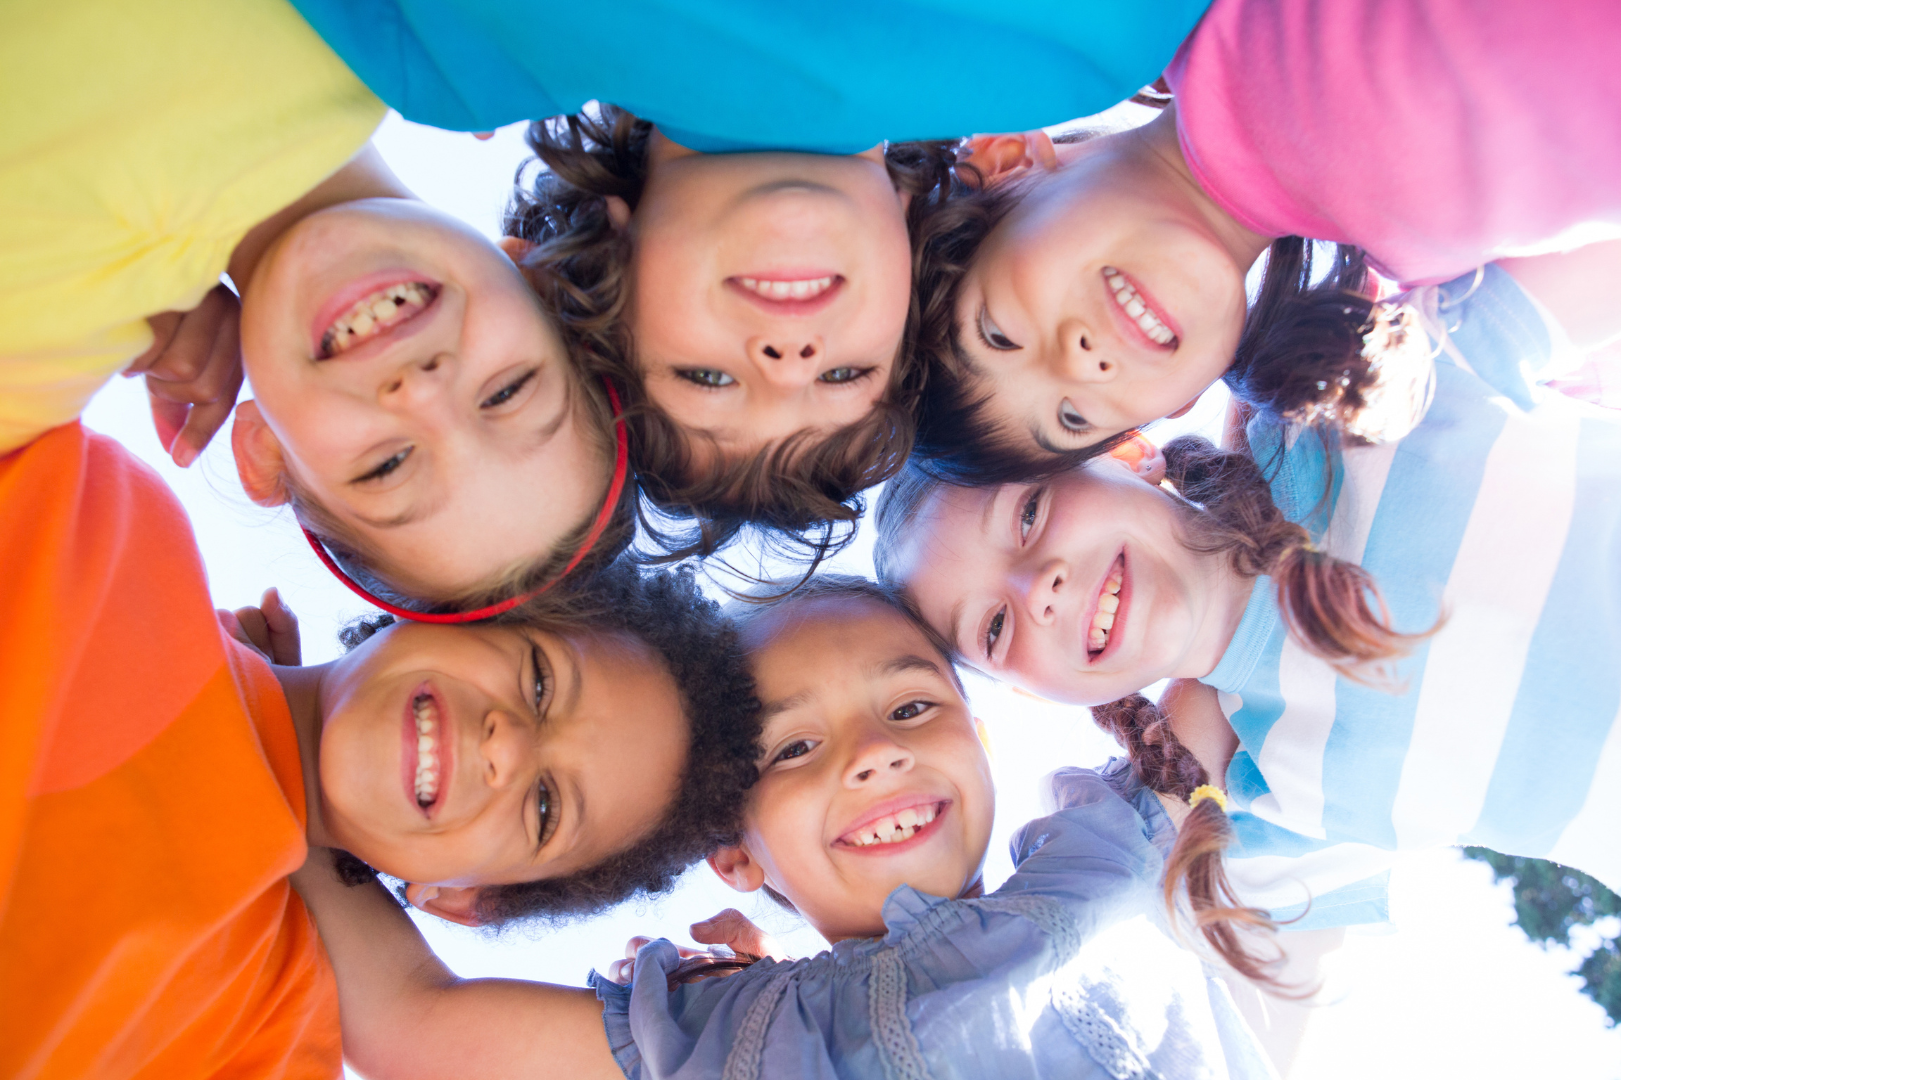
x=1435 y=134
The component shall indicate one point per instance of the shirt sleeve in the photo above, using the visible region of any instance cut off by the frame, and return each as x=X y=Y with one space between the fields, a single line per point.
x=1495 y=329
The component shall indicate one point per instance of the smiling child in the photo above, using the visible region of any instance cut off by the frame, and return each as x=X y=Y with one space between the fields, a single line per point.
x=1492 y=525
x=1088 y=289
x=871 y=819
x=471 y=761
x=413 y=400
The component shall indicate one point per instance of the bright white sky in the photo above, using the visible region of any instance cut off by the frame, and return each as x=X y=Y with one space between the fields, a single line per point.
x=1454 y=983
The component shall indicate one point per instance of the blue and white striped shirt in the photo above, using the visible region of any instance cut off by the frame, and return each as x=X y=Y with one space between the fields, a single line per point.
x=1502 y=508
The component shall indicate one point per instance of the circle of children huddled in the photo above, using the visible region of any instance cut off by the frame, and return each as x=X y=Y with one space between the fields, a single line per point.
x=763 y=259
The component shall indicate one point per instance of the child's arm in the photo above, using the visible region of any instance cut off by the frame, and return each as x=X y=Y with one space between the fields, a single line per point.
x=403 y=1014
x=1580 y=287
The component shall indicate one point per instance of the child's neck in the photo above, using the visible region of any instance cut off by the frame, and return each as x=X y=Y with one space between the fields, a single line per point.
x=1231 y=594
x=302 y=687
x=364 y=176
x=1151 y=152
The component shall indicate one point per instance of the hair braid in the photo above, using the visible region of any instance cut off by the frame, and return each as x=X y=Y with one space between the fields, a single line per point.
x=1332 y=606
x=1195 y=869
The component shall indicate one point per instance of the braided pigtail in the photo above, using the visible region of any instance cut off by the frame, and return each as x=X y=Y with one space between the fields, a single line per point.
x=1332 y=605
x=1195 y=870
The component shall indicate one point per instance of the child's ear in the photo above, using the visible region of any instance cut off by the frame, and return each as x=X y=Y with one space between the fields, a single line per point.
x=1002 y=157
x=1140 y=454
x=458 y=904
x=516 y=247
x=618 y=211
x=737 y=868
x=980 y=729
x=257 y=453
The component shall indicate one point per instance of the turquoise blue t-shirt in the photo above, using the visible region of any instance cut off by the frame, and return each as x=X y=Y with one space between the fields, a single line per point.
x=1501 y=507
x=827 y=76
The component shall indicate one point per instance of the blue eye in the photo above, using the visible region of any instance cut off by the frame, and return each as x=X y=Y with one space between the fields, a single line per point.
x=1029 y=512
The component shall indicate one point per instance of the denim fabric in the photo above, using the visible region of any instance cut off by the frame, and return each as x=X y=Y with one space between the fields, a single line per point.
x=1065 y=971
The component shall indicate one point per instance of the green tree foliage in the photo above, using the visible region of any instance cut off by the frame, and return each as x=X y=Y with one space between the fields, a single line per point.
x=1549 y=900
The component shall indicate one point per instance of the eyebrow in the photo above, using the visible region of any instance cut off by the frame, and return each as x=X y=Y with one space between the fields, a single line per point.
x=786 y=704
x=907 y=662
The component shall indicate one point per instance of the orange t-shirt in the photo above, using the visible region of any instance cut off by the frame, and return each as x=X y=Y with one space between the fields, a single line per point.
x=151 y=802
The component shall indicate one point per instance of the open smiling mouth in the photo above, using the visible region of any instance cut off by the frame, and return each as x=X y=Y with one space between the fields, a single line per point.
x=375 y=314
x=426 y=771
x=897 y=827
x=1128 y=295
x=1107 y=608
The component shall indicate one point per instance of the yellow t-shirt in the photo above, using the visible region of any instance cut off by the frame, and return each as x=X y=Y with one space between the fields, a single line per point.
x=139 y=143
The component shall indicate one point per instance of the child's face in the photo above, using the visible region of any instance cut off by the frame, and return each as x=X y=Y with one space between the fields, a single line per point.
x=406 y=380
x=463 y=755
x=1100 y=303
x=770 y=291
x=866 y=734
x=1019 y=578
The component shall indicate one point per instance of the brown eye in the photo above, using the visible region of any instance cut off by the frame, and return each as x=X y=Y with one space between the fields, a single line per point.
x=547 y=816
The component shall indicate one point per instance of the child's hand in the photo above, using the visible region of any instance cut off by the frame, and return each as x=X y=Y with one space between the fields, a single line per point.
x=737 y=933
x=193 y=372
x=621 y=971
x=270 y=629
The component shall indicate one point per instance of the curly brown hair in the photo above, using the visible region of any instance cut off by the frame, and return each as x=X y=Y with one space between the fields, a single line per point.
x=665 y=611
x=802 y=492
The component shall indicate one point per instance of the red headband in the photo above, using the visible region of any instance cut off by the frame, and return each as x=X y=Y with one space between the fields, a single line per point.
x=600 y=521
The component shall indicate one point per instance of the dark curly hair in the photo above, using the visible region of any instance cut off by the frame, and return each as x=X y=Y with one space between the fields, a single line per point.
x=803 y=493
x=665 y=611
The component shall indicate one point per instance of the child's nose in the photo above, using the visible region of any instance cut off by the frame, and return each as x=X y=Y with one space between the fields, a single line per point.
x=789 y=361
x=1080 y=356
x=415 y=381
x=1046 y=590
x=506 y=749
x=877 y=760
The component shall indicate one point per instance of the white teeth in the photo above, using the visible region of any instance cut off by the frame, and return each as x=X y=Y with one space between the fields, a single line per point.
x=788 y=290
x=1105 y=607
x=374 y=313
x=1136 y=308
x=896 y=827
x=426 y=774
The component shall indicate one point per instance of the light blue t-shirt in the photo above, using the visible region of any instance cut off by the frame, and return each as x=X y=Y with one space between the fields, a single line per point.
x=827 y=76
x=1066 y=971
x=1502 y=508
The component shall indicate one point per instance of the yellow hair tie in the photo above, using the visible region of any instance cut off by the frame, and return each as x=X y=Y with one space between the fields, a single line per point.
x=1208 y=791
